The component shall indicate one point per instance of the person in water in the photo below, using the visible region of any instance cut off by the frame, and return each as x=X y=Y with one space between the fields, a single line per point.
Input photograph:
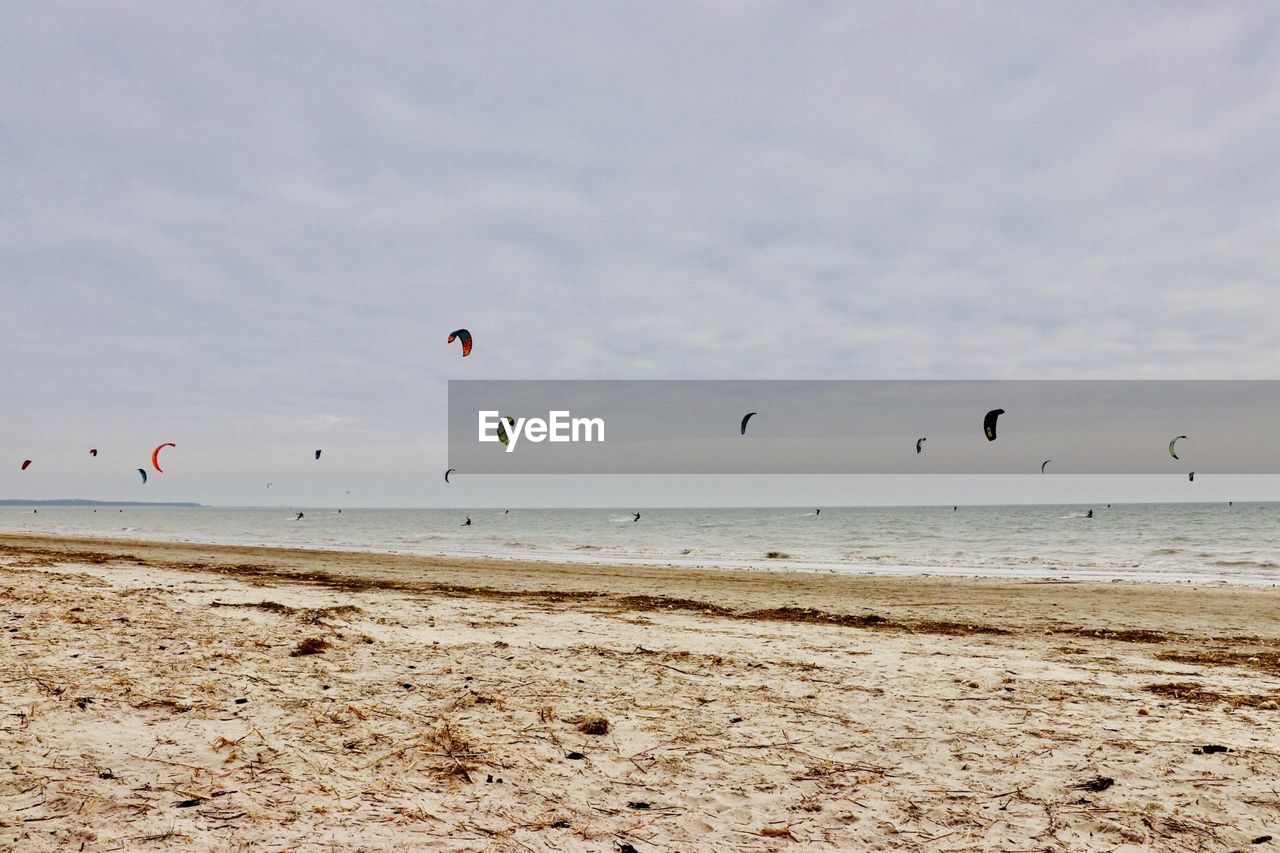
x=299 y=518
x=467 y=523
x=637 y=516
x=817 y=512
x=1089 y=514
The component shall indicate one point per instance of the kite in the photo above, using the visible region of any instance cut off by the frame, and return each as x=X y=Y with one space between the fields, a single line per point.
x=1192 y=476
x=155 y=455
x=143 y=472
x=745 y=418
x=465 y=337
x=317 y=454
x=26 y=464
x=989 y=423
x=1044 y=463
x=93 y=451
x=1173 y=452
x=447 y=473
x=502 y=433
x=919 y=441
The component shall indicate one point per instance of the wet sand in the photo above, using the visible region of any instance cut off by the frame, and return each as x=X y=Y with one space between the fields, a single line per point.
x=159 y=695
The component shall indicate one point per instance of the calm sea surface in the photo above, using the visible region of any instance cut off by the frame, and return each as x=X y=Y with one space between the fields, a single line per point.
x=1157 y=542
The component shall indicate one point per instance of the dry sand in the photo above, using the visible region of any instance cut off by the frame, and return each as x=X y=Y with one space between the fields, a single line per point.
x=157 y=696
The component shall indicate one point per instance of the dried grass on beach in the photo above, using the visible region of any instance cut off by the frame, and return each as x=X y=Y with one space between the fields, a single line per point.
x=152 y=698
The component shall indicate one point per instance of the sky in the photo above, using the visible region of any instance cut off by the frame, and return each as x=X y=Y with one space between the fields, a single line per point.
x=249 y=228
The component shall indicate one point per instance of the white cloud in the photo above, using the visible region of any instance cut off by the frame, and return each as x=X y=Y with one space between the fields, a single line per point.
x=255 y=216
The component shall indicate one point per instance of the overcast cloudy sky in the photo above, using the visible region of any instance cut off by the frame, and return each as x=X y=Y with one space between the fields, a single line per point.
x=248 y=228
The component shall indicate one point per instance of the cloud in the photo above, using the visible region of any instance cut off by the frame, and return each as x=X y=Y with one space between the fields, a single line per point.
x=229 y=220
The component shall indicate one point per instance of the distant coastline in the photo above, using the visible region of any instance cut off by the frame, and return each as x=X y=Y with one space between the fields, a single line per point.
x=81 y=502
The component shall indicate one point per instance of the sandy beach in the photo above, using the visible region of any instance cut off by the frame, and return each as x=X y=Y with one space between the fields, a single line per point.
x=175 y=696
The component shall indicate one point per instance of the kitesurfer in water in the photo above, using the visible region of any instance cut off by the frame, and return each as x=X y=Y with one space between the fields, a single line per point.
x=299 y=518
x=637 y=516
x=1089 y=514
x=817 y=512
x=467 y=523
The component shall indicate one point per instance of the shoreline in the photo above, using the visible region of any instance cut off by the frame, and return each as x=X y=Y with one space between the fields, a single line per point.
x=766 y=565
x=700 y=588
x=170 y=695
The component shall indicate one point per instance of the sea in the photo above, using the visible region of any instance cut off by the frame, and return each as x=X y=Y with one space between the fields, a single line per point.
x=1182 y=542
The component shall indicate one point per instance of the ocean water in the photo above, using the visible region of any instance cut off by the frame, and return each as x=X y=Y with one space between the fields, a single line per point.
x=1150 y=542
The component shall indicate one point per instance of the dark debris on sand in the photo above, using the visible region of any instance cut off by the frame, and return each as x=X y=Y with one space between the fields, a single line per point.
x=592 y=724
x=310 y=646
